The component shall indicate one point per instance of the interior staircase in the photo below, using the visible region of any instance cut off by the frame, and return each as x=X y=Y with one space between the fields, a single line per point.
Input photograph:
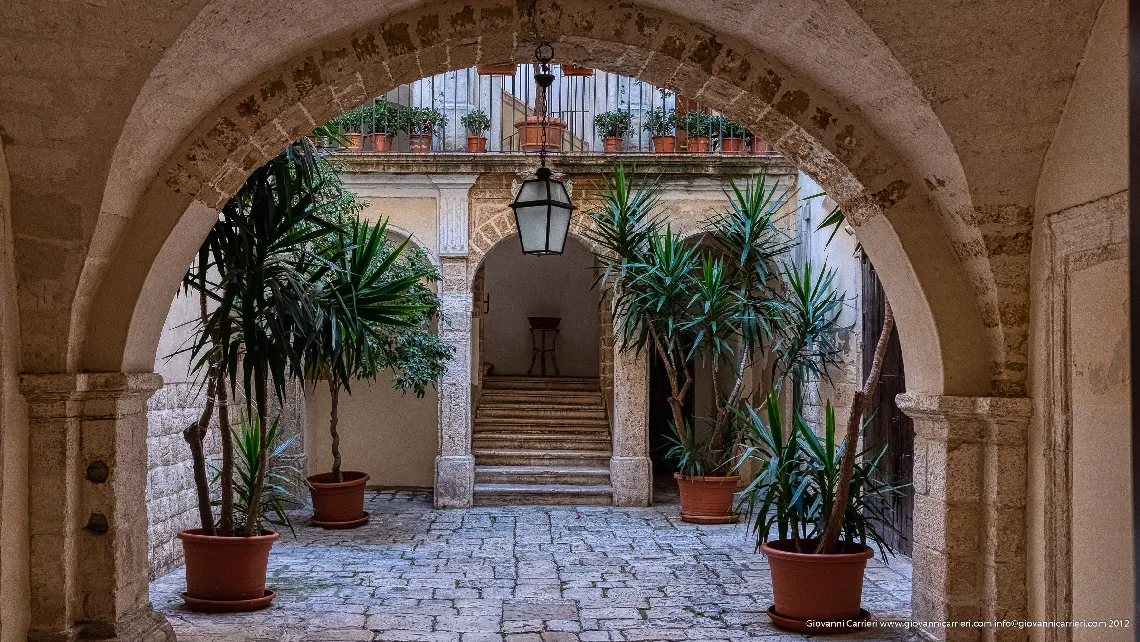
x=541 y=440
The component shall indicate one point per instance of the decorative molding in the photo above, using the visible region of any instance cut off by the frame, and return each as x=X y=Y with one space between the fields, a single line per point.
x=1076 y=238
x=453 y=212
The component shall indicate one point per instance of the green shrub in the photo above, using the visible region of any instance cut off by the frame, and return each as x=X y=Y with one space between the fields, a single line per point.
x=477 y=122
x=613 y=124
x=659 y=122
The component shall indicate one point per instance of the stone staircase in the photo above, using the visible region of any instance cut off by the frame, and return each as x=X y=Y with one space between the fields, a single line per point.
x=541 y=440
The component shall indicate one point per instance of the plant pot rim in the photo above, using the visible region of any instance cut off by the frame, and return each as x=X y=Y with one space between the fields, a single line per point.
x=535 y=120
x=717 y=479
x=358 y=478
x=195 y=535
x=817 y=558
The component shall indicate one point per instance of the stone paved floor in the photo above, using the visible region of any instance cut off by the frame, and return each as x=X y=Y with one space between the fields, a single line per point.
x=518 y=574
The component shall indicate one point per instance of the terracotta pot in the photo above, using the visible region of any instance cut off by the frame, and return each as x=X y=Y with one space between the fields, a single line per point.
x=419 y=143
x=664 y=144
x=706 y=500
x=759 y=146
x=383 y=142
x=226 y=569
x=530 y=133
x=338 y=502
x=732 y=145
x=477 y=144
x=504 y=69
x=575 y=70
x=816 y=587
x=698 y=144
x=353 y=141
x=611 y=144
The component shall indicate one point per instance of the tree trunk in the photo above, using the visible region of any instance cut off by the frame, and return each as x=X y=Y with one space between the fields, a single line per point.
x=254 y=509
x=829 y=540
x=334 y=394
x=195 y=435
x=226 y=512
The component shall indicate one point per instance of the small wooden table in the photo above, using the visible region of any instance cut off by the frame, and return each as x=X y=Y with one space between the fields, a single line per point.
x=540 y=328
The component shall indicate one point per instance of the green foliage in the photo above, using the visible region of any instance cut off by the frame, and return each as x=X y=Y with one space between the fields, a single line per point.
x=279 y=489
x=380 y=117
x=614 y=124
x=660 y=122
x=727 y=127
x=695 y=122
x=422 y=120
x=477 y=122
x=806 y=328
x=799 y=472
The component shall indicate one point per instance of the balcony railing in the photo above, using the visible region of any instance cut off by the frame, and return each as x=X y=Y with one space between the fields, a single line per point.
x=439 y=114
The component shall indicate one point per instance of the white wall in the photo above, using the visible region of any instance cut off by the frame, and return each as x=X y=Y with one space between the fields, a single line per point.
x=521 y=286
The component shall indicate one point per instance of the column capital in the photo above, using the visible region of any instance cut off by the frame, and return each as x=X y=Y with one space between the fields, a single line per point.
x=453 y=212
x=60 y=386
x=982 y=419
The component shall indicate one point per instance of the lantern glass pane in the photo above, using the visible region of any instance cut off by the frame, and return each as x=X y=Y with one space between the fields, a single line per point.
x=559 y=224
x=532 y=227
x=558 y=193
x=532 y=191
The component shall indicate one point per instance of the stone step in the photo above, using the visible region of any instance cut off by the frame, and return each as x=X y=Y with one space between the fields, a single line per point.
x=500 y=382
x=567 y=431
x=534 y=441
x=542 y=495
x=575 y=475
x=587 y=411
x=544 y=458
x=539 y=422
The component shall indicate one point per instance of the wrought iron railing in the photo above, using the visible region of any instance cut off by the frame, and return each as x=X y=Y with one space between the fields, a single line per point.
x=585 y=107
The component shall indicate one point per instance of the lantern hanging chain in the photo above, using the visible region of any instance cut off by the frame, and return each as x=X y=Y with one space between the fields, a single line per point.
x=543 y=54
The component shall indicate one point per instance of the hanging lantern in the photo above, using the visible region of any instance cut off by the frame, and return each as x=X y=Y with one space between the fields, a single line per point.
x=542 y=214
x=542 y=207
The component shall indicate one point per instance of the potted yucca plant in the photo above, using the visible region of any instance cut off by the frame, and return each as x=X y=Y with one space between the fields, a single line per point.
x=613 y=126
x=478 y=124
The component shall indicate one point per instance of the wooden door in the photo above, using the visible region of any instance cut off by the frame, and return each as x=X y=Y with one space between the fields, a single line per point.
x=888 y=425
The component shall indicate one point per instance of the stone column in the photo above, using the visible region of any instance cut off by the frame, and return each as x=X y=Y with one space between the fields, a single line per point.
x=87 y=506
x=455 y=466
x=631 y=472
x=970 y=484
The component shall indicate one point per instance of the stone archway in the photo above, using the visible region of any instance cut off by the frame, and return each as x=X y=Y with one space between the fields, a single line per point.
x=933 y=256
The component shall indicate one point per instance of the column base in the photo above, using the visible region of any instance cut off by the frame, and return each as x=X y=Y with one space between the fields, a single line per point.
x=632 y=481
x=145 y=625
x=454 y=481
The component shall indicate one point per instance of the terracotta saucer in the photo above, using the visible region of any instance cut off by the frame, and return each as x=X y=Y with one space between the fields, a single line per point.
x=228 y=606
x=708 y=519
x=352 y=523
x=801 y=626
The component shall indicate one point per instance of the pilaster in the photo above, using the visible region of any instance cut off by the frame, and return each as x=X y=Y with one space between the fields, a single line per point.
x=631 y=471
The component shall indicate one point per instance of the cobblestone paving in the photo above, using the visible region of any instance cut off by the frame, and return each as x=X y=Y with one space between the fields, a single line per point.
x=518 y=574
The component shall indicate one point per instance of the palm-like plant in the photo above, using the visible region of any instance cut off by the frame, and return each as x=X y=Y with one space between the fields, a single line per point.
x=250 y=266
x=279 y=487
x=356 y=299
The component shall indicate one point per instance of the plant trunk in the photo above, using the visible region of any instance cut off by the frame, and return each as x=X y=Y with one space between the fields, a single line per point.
x=829 y=540
x=334 y=394
x=195 y=436
x=254 y=509
x=677 y=390
x=226 y=512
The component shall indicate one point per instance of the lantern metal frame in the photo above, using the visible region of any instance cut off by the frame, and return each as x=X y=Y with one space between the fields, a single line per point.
x=543 y=54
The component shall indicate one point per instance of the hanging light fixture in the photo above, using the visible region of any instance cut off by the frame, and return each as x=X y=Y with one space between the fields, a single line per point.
x=542 y=206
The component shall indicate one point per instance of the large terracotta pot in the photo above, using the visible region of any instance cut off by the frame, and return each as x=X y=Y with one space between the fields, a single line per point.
x=353 y=141
x=816 y=587
x=383 y=142
x=732 y=145
x=338 y=503
x=698 y=144
x=226 y=573
x=477 y=144
x=611 y=144
x=664 y=144
x=706 y=500
x=530 y=133
x=419 y=143
x=759 y=146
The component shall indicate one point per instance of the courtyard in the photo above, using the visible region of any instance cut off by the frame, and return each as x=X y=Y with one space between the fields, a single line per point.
x=521 y=574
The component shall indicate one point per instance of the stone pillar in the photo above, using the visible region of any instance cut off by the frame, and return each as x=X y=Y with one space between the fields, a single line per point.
x=455 y=466
x=87 y=506
x=631 y=471
x=970 y=485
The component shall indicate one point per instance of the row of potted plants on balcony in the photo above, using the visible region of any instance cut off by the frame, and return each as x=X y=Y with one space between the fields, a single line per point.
x=662 y=125
x=377 y=124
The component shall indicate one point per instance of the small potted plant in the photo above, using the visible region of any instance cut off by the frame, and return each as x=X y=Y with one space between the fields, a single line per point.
x=696 y=123
x=421 y=123
x=613 y=126
x=732 y=134
x=477 y=123
x=352 y=124
x=661 y=125
x=759 y=146
x=385 y=118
